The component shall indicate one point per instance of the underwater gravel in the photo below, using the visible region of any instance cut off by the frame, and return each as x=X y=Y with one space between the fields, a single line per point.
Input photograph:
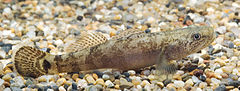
x=50 y=25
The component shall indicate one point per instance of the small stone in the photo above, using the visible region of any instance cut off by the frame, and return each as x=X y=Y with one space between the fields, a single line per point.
x=151 y=77
x=42 y=79
x=179 y=84
x=82 y=83
x=215 y=81
x=109 y=84
x=221 y=29
x=6 y=84
x=89 y=79
x=2 y=54
x=229 y=87
x=146 y=72
x=136 y=80
x=189 y=82
x=221 y=88
x=61 y=81
x=7 y=78
x=125 y=84
x=100 y=81
x=202 y=78
x=203 y=85
x=195 y=79
x=74 y=86
x=75 y=76
x=126 y=74
x=100 y=74
x=31 y=34
x=95 y=76
x=160 y=84
x=106 y=77
x=131 y=72
x=61 y=88
x=144 y=83
x=117 y=86
x=177 y=77
x=234 y=83
x=79 y=18
x=7 y=71
x=18 y=82
x=7 y=89
x=205 y=56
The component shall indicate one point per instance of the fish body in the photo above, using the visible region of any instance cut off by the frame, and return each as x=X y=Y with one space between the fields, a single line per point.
x=129 y=50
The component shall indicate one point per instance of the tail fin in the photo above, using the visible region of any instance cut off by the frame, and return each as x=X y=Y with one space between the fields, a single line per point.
x=32 y=62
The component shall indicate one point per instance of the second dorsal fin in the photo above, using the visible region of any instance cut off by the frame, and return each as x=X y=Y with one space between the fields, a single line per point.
x=87 y=39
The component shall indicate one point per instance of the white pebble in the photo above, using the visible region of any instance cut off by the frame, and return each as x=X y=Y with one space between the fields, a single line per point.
x=131 y=72
x=195 y=79
x=31 y=34
x=219 y=71
x=215 y=81
x=221 y=29
x=179 y=84
x=109 y=84
x=7 y=10
x=61 y=88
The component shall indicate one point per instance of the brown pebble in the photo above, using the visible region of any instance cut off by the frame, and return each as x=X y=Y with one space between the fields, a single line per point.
x=224 y=75
x=210 y=74
x=7 y=71
x=198 y=72
x=208 y=80
x=205 y=56
x=117 y=86
x=177 y=77
x=6 y=84
x=95 y=76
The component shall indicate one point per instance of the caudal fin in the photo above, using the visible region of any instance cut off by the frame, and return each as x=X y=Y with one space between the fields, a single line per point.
x=32 y=62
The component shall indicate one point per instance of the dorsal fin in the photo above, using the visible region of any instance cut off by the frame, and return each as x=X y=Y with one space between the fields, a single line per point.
x=87 y=39
x=127 y=33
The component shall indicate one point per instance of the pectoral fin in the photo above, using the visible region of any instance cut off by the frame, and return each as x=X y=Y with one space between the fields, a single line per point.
x=165 y=68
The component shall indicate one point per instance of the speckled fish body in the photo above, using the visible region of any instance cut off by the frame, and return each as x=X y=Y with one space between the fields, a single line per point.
x=124 y=52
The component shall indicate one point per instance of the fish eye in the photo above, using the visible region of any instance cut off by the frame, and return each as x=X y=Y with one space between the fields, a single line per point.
x=196 y=36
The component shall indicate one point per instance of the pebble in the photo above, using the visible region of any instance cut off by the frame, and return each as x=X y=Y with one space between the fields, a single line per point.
x=179 y=84
x=89 y=79
x=144 y=83
x=100 y=81
x=221 y=88
x=126 y=74
x=61 y=81
x=82 y=83
x=109 y=84
x=195 y=79
x=105 y=77
x=125 y=84
x=42 y=79
x=202 y=85
x=7 y=78
x=146 y=72
x=61 y=88
x=189 y=82
x=131 y=72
